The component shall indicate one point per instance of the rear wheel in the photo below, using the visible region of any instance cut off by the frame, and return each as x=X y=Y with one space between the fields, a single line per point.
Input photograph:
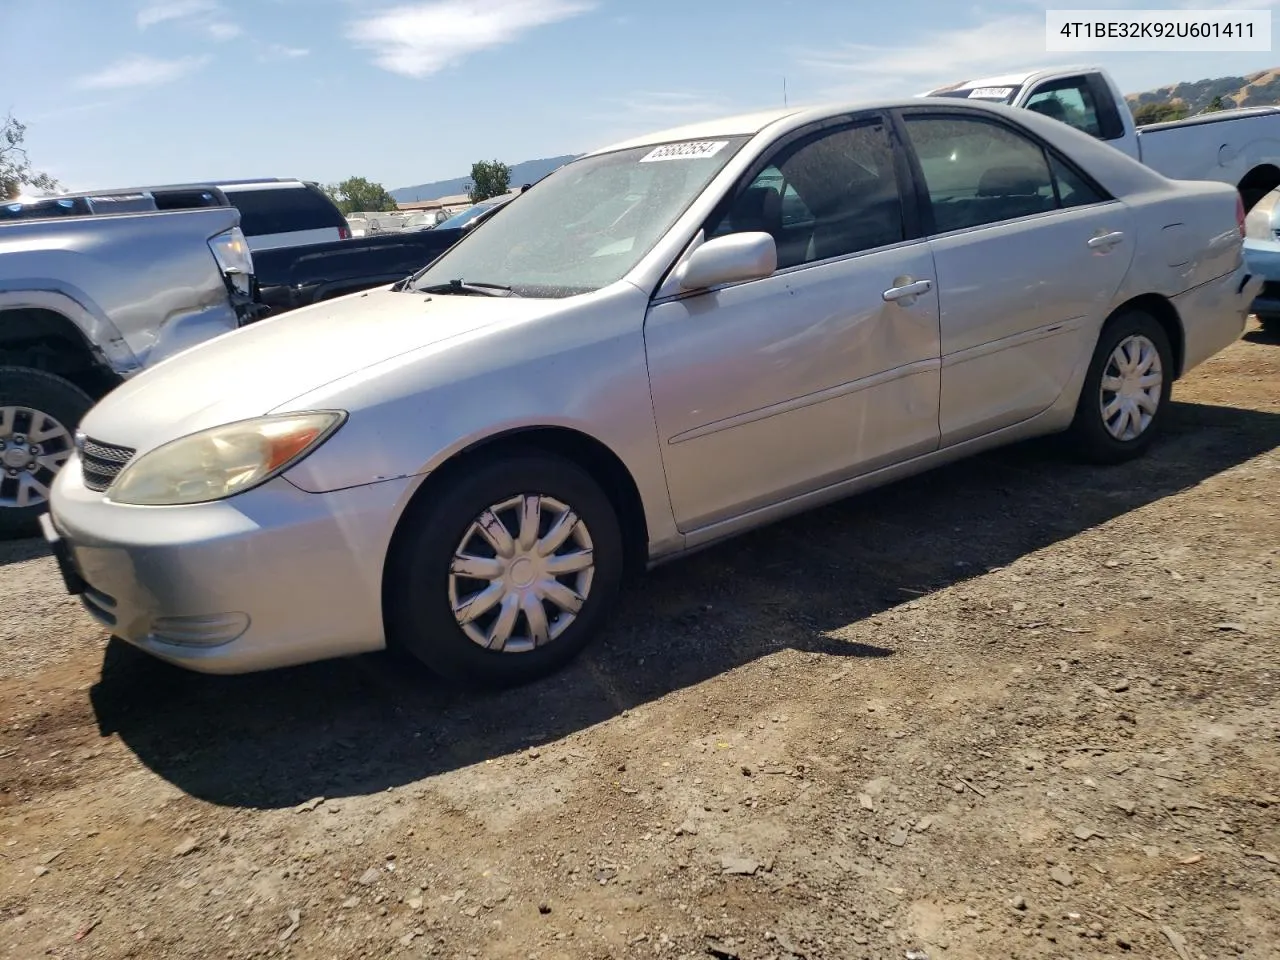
x=506 y=573
x=39 y=413
x=1126 y=391
x=1269 y=322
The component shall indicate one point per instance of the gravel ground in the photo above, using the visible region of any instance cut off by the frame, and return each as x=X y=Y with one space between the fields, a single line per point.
x=1016 y=708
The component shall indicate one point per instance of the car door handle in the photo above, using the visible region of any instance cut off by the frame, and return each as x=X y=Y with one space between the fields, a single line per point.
x=912 y=288
x=1105 y=241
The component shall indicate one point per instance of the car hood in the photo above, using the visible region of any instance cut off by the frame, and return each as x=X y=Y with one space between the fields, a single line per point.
x=252 y=371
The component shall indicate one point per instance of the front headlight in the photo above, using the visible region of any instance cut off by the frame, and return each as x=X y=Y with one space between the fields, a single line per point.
x=220 y=462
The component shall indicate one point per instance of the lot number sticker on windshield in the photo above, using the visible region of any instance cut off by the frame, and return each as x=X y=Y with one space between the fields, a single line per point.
x=690 y=150
x=990 y=93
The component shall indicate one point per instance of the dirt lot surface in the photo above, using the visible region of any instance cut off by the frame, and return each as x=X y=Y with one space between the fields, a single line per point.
x=1016 y=708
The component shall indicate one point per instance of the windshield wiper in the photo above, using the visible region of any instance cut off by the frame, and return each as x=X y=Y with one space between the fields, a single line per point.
x=462 y=286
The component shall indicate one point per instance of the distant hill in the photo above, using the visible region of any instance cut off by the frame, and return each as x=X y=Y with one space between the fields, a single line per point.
x=1255 y=90
x=521 y=173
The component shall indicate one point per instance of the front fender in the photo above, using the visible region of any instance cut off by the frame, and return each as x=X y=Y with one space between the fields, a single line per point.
x=580 y=367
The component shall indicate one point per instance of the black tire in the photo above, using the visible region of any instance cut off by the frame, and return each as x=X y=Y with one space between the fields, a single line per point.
x=1269 y=322
x=53 y=396
x=1089 y=435
x=418 y=612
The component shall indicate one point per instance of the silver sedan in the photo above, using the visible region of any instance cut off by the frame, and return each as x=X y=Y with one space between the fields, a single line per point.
x=663 y=344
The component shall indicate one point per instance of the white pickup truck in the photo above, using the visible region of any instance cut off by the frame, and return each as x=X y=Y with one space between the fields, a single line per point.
x=1240 y=147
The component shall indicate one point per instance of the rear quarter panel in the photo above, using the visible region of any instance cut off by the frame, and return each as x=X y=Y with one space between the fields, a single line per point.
x=149 y=281
x=1185 y=235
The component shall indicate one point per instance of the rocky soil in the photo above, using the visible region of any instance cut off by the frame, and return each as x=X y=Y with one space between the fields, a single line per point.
x=1018 y=708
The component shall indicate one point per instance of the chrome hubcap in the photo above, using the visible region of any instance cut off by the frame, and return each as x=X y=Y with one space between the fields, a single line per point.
x=33 y=447
x=521 y=573
x=1132 y=383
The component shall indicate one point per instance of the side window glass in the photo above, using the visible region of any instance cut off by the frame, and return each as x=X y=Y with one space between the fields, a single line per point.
x=978 y=172
x=825 y=196
x=1071 y=102
x=1072 y=190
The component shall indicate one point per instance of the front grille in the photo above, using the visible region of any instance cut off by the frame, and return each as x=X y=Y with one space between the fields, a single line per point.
x=101 y=463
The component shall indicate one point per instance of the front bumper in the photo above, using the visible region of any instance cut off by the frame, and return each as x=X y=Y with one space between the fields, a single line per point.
x=270 y=578
x=1263 y=260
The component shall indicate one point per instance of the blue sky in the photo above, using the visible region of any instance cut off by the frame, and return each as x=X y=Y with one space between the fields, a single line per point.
x=120 y=93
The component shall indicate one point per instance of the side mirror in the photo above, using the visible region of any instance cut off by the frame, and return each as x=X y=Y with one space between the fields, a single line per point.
x=731 y=259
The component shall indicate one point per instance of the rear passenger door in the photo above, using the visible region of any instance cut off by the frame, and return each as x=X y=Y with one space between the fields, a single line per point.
x=285 y=214
x=1028 y=254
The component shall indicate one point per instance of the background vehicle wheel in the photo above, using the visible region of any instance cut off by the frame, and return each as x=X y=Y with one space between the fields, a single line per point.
x=1269 y=322
x=1126 y=391
x=504 y=575
x=38 y=417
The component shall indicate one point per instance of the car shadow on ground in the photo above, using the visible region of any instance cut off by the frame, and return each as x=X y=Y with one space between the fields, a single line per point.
x=1263 y=336
x=22 y=550
x=360 y=725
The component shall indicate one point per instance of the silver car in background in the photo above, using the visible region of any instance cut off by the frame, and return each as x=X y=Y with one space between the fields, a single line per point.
x=666 y=343
x=1262 y=254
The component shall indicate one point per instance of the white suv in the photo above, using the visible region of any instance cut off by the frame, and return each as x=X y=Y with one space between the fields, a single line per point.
x=285 y=213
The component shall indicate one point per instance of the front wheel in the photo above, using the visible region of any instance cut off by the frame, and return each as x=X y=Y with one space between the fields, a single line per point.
x=504 y=574
x=38 y=417
x=1126 y=391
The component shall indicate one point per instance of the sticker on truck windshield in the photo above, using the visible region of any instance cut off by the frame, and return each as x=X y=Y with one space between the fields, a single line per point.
x=990 y=93
x=689 y=150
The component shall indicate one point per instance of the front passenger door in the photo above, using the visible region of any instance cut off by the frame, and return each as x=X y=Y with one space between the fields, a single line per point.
x=773 y=388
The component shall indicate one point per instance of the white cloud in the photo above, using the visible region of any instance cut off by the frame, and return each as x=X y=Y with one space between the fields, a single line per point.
x=278 y=51
x=621 y=118
x=140 y=71
x=867 y=70
x=206 y=15
x=221 y=30
x=166 y=10
x=419 y=39
x=668 y=107
x=1005 y=44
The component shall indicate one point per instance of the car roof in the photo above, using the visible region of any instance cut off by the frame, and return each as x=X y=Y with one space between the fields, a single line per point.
x=1114 y=169
x=743 y=124
x=196 y=185
x=1016 y=79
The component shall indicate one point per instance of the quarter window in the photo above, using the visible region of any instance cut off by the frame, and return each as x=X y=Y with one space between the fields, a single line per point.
x=977 y=172
x=828 y=195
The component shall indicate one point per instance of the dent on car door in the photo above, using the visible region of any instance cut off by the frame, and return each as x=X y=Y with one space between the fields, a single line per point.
x=1028 y=254
x=771 y=388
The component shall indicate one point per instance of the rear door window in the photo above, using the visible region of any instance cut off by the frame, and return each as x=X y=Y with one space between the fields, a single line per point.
x=270 y=210
x=979 y=172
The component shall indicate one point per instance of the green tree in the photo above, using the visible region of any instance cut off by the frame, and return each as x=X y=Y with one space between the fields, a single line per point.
x=1158 y=113
x=358 y=194
x=1215 y=105
x=15 y=168
x=488 y=179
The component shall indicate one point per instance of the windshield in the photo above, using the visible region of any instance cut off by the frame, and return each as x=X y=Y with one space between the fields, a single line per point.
x=989 y=94
x=586 y=225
